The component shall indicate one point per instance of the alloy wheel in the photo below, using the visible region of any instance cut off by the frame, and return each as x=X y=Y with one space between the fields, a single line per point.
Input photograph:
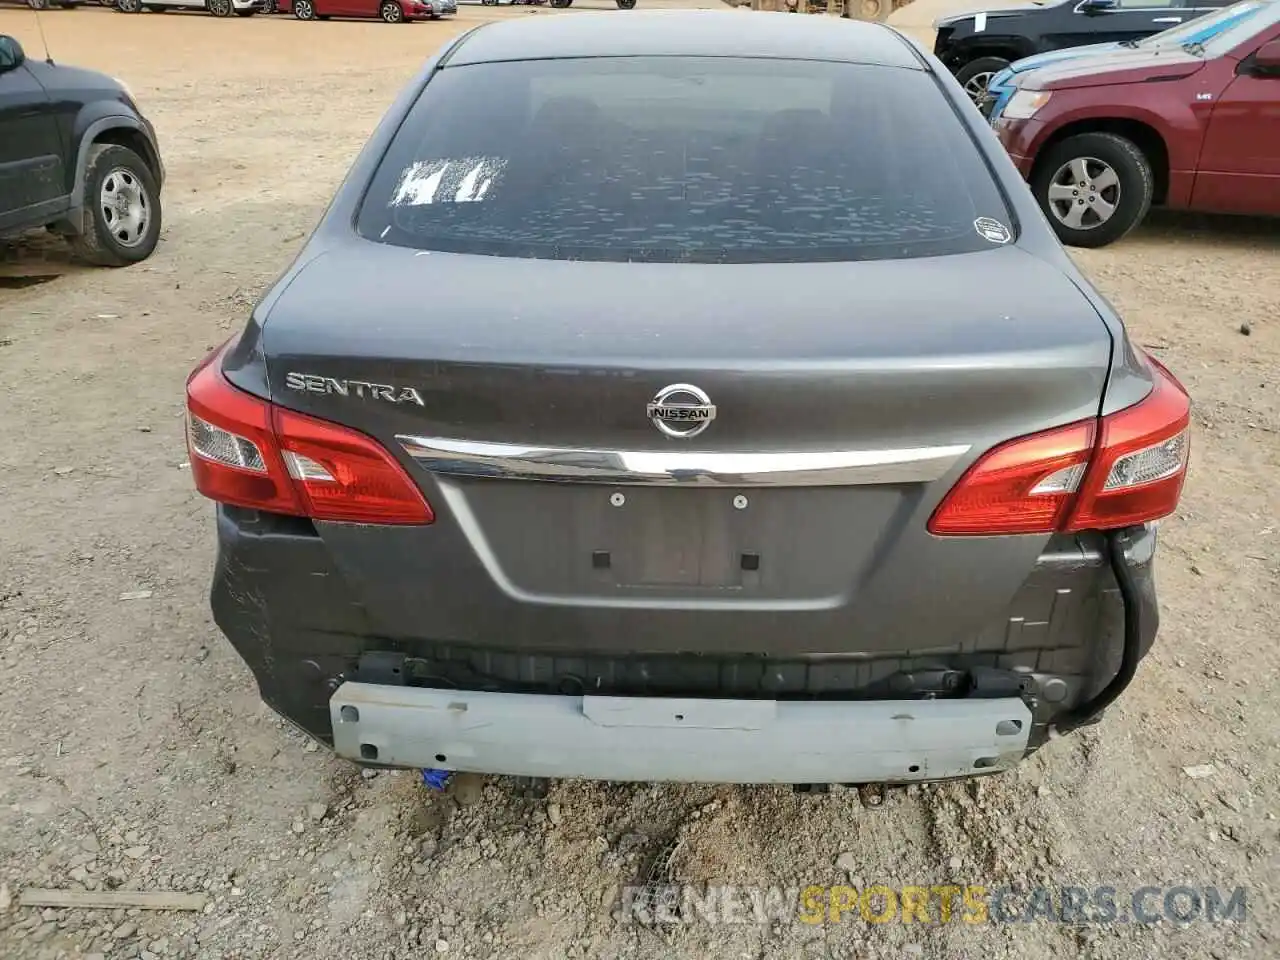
x=126 y=208
x=1084 y=193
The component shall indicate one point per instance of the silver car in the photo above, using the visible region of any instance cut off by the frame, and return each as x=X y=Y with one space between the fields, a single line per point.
x=704 y=401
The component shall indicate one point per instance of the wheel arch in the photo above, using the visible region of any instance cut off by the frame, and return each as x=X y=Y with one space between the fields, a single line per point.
x=123 y=131
x=1144 y=136
x=1009 y=48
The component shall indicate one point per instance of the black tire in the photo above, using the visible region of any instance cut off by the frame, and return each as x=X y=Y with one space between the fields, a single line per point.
x=560 y=4
x=245 y=13
x=626 y=4
x=97 y=243
x=1130 y=197
x=219 y=8
x=129 y=6
x=390 y=12
x=975 y=75
x=38 y=4
x=304 y=9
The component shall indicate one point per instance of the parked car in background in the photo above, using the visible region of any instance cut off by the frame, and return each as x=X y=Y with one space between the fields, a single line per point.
x=1198 y=30
x=392 y=11
x=590 y=510
x=44 y=4
x=1194 y=127
x=977 y=46
x=78 y=157
x=219 y=8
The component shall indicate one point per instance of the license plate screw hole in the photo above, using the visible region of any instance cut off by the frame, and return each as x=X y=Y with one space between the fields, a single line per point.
x=679 y=716
x=740 y=502
x=617 y=499
x=441 y=758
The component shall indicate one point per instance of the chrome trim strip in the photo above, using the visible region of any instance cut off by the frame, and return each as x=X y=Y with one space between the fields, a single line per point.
x=469 y=458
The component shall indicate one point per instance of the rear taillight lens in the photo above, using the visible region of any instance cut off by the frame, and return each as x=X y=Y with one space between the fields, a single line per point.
x=1141 y=461
x=1117 y=471
x=1024 y=486
x=250 y=453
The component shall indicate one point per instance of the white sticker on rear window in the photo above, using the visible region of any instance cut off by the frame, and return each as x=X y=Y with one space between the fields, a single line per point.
x=992 y=230
x=462 y=180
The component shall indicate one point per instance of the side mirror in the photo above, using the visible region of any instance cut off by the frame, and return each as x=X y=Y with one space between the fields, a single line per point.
x=1267 y=58
x=11 y=55
x=1091 y=7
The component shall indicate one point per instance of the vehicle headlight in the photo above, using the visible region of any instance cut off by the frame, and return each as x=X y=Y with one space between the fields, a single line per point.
x=1024 y=104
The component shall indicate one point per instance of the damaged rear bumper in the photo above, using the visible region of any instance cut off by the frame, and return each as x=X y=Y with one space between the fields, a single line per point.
x=669 y=739
x=297 y=617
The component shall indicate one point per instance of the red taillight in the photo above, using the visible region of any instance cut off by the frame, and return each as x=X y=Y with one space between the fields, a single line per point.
x=1120 y=470
x=249 y=453
x=1141 y=461
x=1024 y=486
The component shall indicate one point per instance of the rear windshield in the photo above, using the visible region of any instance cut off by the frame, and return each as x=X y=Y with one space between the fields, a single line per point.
x=674 y=159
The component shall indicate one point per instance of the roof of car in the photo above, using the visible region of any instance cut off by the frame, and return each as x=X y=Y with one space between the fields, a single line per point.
x=687 y=33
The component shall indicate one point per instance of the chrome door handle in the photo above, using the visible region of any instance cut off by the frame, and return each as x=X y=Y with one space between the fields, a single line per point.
x=1167 y=20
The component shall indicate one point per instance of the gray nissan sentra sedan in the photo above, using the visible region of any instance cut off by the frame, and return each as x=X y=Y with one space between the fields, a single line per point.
x=704 y=400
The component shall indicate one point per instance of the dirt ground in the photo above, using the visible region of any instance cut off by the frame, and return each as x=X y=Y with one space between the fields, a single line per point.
x=134 y=752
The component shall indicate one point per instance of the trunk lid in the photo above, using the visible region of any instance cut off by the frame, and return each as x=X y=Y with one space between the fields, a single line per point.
x=883 y=359
x=795 y=356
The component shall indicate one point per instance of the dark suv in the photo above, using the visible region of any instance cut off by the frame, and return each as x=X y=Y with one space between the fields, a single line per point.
x=977 y=46
x=78 y=157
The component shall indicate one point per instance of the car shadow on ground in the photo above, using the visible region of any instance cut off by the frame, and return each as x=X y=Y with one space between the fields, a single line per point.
x=36 y=258
x=1252 y=233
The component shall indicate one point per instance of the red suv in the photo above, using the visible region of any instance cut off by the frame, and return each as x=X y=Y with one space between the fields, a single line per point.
x=1192 y=127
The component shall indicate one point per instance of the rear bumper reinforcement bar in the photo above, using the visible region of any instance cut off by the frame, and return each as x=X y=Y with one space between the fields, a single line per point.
x=668 y=739
x=467 y=458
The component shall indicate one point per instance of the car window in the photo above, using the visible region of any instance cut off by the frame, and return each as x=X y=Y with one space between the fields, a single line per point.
x=673 y=159
x=1203 y=27
x=8 y=53
x=1239 y=33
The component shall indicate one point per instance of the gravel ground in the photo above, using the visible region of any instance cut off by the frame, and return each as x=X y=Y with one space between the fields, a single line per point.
x=134 y=753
